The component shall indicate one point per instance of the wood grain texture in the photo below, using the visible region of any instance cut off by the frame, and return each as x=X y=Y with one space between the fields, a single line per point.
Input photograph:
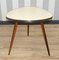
x=32 y=47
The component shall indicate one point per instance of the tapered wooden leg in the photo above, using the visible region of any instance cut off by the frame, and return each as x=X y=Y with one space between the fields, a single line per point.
x=28 y=30
x=13 y=36
x=45 y=37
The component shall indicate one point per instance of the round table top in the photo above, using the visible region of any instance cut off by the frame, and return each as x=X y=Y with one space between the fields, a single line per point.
x=29 y=14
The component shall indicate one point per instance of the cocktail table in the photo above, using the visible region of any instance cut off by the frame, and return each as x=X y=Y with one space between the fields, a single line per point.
x=29 y=14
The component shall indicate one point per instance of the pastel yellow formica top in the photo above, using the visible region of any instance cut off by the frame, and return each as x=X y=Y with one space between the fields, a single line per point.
x=29 y=14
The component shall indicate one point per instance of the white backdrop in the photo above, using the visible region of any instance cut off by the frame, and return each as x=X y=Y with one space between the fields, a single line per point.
x=7 y=5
